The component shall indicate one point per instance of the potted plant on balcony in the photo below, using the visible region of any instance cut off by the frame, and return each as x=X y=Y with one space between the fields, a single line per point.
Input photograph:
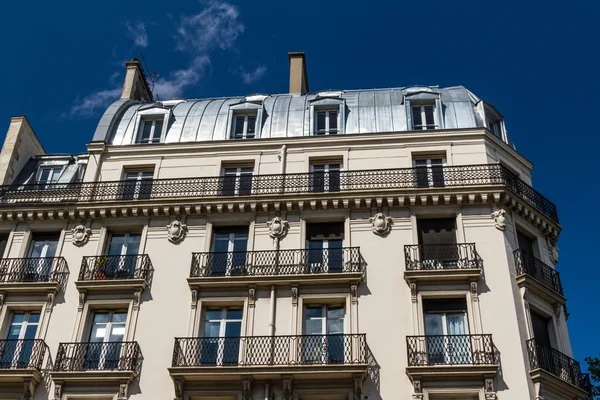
x=99 y=271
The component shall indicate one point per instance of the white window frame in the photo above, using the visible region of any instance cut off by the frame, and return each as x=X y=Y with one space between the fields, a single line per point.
x=22 y=329
x=108 y=329
x=153 y=132
x=236 y=115
x=424 y=126
x=127 y=237
x=429 y=167
x=223 y=326
x=238 y=175
x=41 y=169
x=138 y=179
x=324 y=319
x=327 y=130
x=326 y=169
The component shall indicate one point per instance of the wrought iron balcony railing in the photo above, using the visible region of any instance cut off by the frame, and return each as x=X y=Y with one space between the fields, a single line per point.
x=277 y=262
x=107 y=356
x=441 y=256
x=546 y=275
x=22 y=353
x=451 y=350
x=108 y=267
x=270 y=350
x=557 y=363
x=280 y=184
x=45 y=269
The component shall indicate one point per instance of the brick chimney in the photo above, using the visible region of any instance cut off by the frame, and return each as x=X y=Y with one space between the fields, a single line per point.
x=135 y=86
x=298 y=75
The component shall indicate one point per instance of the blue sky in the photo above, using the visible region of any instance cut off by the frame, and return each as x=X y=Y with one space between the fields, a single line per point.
x=537 y=62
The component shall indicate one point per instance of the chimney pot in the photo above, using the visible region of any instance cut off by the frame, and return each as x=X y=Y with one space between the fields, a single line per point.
x=298 y=74
x=136 y=86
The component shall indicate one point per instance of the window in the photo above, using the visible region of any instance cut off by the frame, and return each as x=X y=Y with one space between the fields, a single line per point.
x=526 y=243
x=324 y=330
x=106 y=337
x=437 y=239
x=324 y=247
x=423 y=117
x=541 y=327
x=244 y=127
x=49 y=174
x=137 y=185
x=494 y=121
x=236 y=181
x=325 y=177
x=229 y=251
x=221 y=342
x=446 y=329
x=124 y=249
x=17 y=351
x=41 y=253
x=495 y=127
x=150 y=131
x=3 y=242
x=429 y=171
x=327 y=122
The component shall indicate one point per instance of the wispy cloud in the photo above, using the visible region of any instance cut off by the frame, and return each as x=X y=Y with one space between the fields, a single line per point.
x=93 y=103
x=137 y=32
x=253 y=76
x=179 y=80
x=217 y=26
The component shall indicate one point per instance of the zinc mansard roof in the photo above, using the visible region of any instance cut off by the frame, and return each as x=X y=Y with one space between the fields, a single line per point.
x=289 y=115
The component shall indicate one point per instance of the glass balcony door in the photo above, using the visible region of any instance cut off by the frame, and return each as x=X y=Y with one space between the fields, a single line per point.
x=325 y=178
x=236 y=181
x=16 y=351
x=43 y=246
x=442 y=347
x=325 y=256
x=229 y=251
x=326 y=326
x=429 y=172
x=137 y=185
x=106 y=335
x=221 y=343
x=122 y=250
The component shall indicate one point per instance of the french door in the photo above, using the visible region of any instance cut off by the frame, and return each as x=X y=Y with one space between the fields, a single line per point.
x=106 y=337
x=325 y=256
x=17 y=350
x=323 y=342
x=124 y=249
x=430 y=172
x=137 y=185
x=221 y=343
x=43 y=246
x=236 y=181
x=229 y=251
x=325 y=178
x=447 y=340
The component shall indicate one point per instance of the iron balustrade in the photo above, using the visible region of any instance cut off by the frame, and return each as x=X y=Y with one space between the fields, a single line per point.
x=441 y=256
x=34 y=269
x=102 y=356
x=278 y=184
x=22 y=353
x=277 y=262
x=546 y=275
x=556 y=363
x=112 y=267
x=337 y=349
x=434 y=350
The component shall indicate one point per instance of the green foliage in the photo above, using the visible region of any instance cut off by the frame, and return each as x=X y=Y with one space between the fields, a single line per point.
x=594 y=369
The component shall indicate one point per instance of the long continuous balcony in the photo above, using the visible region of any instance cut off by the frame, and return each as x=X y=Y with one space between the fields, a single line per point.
x=447 y=354
x=33 y=274
x=544 y=275
x=279 y=185
x=115 y=271
x=107 y=356
x=557 y=364
x=22 y=354
x=315 y=265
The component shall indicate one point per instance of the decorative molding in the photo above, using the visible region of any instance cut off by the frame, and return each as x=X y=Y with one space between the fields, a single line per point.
x=554 y=250
x=490 y=393
x=194 y=298
x=358 y=386
x=354 y=293
x=176 y=231
x=58 y=389
x=28 y=389
x=178 y=384
x=82 y=298
x=499 y=217
x=137 y=299
x=251 y=297
x=278 y=228
x=247 y=388
x=474 y=291
x=2 y=298
x=123 y=389
x=81 y=235
x=49 y=302
x=380 y=224
x=417 y=390
x=294 y=295
x=413 y=292
x=287 y=387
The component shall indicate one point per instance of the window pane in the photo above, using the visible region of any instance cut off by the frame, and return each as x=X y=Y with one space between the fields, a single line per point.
x=212 y=315
x=119 y=317
x=234 y=314
x=429 y=116
x=335 y=312
x=18 y=318
x=30 y=331
x=101 y=317
x=433 y=325
x=314 y=327
x=34 y=318
x=251 y=126
x=157 y=131
x=416 y=114
x=333 y=121
x=146 y=129
x=239 y=125
x=321 y=121
x=233 y=329
x=314 y=312
x=335 y=326
x=45 y=175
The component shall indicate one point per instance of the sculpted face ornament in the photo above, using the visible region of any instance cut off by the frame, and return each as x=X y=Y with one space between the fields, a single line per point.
x=381 y=224
x=277 y=228
x=176 y=231
x=500 y=219
x=81 y=235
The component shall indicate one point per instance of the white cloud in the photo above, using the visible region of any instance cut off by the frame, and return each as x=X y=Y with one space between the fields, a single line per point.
x=179 y=80
x=253 y=76
x=217 y=26
x=93 y=103
x=137 y=33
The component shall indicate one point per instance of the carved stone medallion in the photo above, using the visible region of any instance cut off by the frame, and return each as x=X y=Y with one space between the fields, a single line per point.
x=499 y=217
x=278 y=228
x=81 y=235
x=176 y=231
x=381 y=224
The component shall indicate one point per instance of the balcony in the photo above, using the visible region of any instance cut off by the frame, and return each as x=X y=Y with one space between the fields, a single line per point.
x=344 y=265
x=387 y=182
x=117 y=362
x=33 y=275
x=306 y=356
x=21 y=363
x=442 y=262
x=115 y=273
x=538 y=277
x=557 y=370
x=452 y=355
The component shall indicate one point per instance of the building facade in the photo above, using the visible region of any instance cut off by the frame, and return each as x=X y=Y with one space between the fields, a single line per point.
x=354 y=244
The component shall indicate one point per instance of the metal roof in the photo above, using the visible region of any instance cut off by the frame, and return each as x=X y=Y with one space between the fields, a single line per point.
x=287 y=115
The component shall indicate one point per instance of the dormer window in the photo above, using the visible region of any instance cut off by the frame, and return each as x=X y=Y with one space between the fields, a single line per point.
x=423 y=117
x=150 y=130
x=49 y=174
x=244 y=126
x=327 y=122
x=494 y=121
